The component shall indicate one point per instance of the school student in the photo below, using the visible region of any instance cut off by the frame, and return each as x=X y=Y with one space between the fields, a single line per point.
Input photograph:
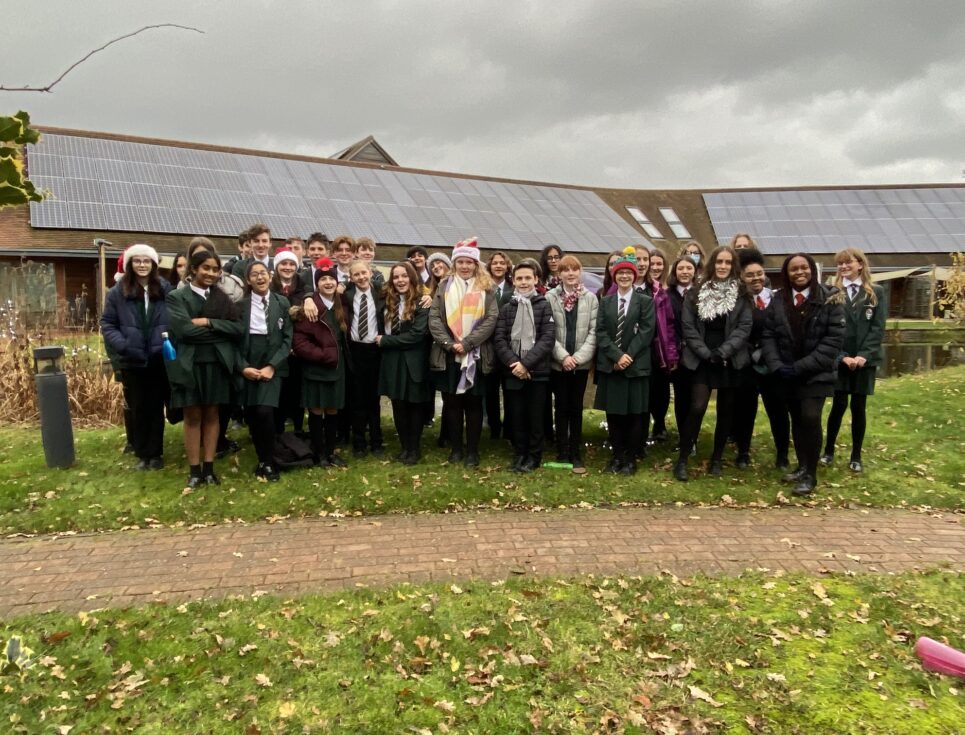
x=440 y=268
x=316 y=248
x=683 y=275
x=500 y=269
x=575 y=313
x=803 y=332
x=758 y=380
x=523 y=342
x=716 y=326
x=320 y=345
x=404 y=369
x=259 y=236
x=461 y=321
x=549 y=264
x=135 y=315
x=343 y=250
x=286 y=282
x=865 y=311
x=417 y=255
x=624 y=331
x=263 y=363
x=364 y=249
x=665 y=354
x=206 y=328
x=364 y=307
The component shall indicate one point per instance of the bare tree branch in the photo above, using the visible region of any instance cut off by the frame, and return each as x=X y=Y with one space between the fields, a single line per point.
x=77 y=63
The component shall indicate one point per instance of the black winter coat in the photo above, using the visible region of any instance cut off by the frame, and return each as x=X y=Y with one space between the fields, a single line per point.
x=537 y=360
x=121 y=327
x=823 y=336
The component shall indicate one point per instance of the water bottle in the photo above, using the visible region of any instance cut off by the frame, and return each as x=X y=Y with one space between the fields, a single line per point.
x=167 y=349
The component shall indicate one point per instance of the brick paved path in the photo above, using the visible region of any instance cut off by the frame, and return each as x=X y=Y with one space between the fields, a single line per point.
x=136 y=567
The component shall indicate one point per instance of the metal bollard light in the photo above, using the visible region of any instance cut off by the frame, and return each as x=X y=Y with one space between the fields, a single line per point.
x=56 y=431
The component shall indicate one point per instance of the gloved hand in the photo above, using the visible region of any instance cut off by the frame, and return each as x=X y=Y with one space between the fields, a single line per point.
x=787 y=371
x=716 y=358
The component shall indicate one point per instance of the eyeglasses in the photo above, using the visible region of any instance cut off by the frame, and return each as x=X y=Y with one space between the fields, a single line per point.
x=141 y=261
x=553 y=257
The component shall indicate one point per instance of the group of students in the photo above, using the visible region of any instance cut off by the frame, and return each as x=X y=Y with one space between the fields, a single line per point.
x=298 y=330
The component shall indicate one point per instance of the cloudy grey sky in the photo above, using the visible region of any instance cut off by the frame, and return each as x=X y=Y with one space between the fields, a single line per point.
x=645 y=94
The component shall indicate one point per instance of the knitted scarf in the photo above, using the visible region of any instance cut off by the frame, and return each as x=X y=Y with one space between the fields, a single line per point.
x=465 y=308
x=716 y=298
x=523 y=335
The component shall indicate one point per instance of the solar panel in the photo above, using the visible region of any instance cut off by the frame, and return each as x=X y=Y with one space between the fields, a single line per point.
x=105 y=184
x=823 y=221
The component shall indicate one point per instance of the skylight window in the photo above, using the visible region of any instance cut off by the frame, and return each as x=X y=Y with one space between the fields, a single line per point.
x=644 y=222
x=676 y=226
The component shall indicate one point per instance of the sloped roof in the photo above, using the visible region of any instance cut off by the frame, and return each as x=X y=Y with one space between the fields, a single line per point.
x=121 y=183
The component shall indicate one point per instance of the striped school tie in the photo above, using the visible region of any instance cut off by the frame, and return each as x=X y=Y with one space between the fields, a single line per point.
x=397 y=320
x=363 y=318
x=621 y=317
x=264 y=305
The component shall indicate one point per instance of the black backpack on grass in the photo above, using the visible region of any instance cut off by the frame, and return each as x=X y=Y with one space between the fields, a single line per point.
x=291 y=452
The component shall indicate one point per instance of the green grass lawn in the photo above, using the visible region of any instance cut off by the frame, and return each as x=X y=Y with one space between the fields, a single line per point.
x=757 y=654
x=914 y=457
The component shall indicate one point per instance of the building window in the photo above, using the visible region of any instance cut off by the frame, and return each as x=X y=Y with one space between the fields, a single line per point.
x=676 y=226
x=644 y=222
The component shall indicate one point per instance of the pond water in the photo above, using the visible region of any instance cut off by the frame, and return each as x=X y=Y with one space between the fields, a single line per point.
x=902 y=359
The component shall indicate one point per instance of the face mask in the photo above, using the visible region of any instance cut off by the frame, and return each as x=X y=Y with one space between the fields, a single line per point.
x=695 y=257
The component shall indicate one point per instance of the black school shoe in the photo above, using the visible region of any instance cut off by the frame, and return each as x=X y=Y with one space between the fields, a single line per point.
x=155 y=463
x=855 y=465
x=471 y=460
x=229 y=446
x=716 y=468
x=827 y=459
x=268 y=472
x=336 y=461
x=195 y=481
x=680 y=471
x=743 y=461
x=794 y=475
x=628 y=468
x=211 y=479
x=805 y=486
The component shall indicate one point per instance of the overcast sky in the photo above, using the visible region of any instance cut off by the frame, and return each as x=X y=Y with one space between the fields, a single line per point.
x=622 y=93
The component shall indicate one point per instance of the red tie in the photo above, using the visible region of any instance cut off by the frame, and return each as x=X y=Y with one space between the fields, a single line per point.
x=798 y=299
x=760 y=303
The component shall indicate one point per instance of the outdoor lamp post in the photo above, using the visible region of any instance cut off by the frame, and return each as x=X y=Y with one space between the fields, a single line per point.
x=56 y=432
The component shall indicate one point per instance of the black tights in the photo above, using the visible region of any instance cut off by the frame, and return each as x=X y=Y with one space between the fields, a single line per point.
x=659 y=402
x=859 y=422
x=261 y=426
x=464 y=409
x=682 y=387
x=626 y=435
x=699 y=400
x=806 y=431
x=408 y=418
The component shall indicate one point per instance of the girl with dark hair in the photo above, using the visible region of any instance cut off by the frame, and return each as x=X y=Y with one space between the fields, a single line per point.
x=716 y=326
x=286 y=282
x=135 y=315
x=666 y=356
x=804 y=330
x=179 y=270
x=608 y=286
x=205 y=328
x=321 y=346
x=500 y=269
x=624 y=331
x=549 y=265
x=865 y=310
x=404 y=372
x=461 y=321
x=683 y=274
x=263 y=362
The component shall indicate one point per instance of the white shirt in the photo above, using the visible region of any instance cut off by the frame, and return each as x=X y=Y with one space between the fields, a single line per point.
x=343 y=276
x=328 y=304
x=401 y=310
x=805 y=293
x=258 y=321
x=372 y=321
x=202 y=292
x=848 y=283
x=765 y=295
x=682 y=290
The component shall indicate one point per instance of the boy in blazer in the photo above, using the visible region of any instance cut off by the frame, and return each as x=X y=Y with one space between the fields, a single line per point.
x=364 y=307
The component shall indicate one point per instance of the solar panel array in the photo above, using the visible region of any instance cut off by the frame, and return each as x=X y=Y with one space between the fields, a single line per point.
x=101 y=184
x=920 y=219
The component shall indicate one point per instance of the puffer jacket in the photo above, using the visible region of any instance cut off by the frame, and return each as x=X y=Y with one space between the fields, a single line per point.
x=537 y=360
x=121 y=327
x=587 y=312
x=823 y=337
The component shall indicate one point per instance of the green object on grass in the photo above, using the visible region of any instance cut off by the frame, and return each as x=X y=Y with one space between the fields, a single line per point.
x=558 y=465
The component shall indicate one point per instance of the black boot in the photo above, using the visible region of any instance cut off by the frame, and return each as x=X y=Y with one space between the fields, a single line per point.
x=331 y=432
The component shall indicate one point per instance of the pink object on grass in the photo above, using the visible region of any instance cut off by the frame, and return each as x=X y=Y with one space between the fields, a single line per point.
x=938 y=657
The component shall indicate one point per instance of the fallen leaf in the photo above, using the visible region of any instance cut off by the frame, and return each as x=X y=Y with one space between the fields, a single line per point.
x=262 y=680
x=698 y=693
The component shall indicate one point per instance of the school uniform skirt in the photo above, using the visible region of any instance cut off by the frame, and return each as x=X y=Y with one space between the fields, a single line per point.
x=620 y=395
x=396 y=383
x=324 y=393
x=859 y=382
x=260 y=392
x=212 y=383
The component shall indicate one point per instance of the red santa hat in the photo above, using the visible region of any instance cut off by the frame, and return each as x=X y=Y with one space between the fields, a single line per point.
x=466 y=249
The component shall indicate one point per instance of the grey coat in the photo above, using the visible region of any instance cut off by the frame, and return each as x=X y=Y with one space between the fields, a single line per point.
x=586 y=316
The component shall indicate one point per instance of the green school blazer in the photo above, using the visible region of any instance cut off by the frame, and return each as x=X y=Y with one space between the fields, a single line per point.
x=409 y=345
x=865 y=326
x=638 y=328
x=223 y=334
x=279 y=333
